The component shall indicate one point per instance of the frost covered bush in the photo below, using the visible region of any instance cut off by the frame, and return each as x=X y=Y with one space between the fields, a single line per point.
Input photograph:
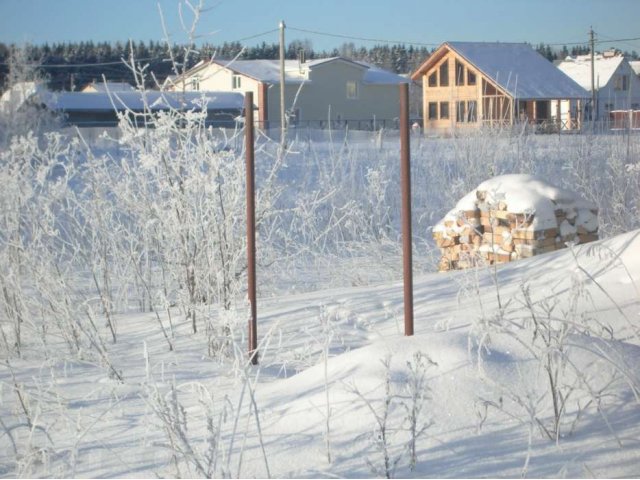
x=153 y=219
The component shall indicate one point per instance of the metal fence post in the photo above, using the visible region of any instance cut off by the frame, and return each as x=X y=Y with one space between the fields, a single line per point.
x=405 y=175
x=251 y=226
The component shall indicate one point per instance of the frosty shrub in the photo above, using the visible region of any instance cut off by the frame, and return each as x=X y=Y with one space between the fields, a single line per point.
x=573 y=361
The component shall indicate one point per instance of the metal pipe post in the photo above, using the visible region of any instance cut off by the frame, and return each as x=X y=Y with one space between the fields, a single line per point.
x=251 y=226
x=283 y=117
x=405 y=177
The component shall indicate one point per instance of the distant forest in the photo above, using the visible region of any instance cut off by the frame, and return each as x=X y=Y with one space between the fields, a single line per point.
x=69 y=66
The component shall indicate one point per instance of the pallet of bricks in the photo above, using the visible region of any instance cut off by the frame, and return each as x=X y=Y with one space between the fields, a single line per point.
x=491 y=232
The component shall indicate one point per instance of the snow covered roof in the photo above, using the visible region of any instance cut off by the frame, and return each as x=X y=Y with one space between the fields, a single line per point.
x=579 y=69
x=108 y=87
x=527 y=194
x=268 y=71
x=635 y=65
x=134 y=100
x=515 y=67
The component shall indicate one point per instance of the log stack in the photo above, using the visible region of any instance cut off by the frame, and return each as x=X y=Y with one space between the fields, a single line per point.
x=512 y=217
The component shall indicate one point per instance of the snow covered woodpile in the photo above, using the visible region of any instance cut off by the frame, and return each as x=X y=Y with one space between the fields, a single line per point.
x=510 y=217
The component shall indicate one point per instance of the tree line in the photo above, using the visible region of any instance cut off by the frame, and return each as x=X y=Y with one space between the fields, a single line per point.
x=69 y=66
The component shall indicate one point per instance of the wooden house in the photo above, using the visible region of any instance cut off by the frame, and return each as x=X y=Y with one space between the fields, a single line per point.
x=475 y=84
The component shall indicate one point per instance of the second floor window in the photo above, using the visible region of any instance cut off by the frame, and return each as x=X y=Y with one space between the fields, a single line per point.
x=471 y=77
x=459 y=73
x=622 y=82
x=444 y=74
x=236 y=82
x=433 y=79
x=195 y=83
x=352 y=89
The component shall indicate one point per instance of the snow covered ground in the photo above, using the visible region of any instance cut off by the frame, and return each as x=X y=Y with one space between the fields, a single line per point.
x=338 y=384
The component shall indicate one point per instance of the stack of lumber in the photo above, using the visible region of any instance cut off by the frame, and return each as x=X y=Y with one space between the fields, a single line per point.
x=511 y=217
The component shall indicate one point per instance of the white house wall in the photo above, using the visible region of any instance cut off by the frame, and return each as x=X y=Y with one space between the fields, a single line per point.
x=324 y=96
x=619 y=99
x=217 y=78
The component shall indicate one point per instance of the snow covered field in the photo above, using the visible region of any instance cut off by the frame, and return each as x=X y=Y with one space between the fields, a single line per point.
x=320 y=388
x=529 y=369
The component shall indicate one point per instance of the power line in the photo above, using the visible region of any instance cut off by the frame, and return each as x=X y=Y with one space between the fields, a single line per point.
x=302 y=30
x=350 y=37
x=364 y=39
x=254 y=36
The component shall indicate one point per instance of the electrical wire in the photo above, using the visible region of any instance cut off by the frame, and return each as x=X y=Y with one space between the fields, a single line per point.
x=314 y=32
x=364 y=39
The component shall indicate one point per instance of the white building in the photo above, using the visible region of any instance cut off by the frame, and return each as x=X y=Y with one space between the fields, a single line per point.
x=616 y=84
x=318 y=92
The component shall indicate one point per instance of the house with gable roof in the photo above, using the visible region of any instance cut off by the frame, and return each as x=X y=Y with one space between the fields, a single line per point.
x=616 y=84
x=475 y=84
x=335 y=91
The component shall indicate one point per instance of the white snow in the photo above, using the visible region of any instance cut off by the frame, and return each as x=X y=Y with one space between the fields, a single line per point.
x=528 y=194
x=519 y=69
x=134 y=100
x=579 y=69
x=95 y=426
x=296 y=72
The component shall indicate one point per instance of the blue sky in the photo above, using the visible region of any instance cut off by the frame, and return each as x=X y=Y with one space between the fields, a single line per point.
x=422 y=21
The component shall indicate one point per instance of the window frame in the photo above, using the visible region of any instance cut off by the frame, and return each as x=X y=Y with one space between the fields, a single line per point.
x=432 y=110
x=444 y=110
x=460 y=80
x=443 y=74
x=432 y=80
x=236 y=81
x=472 y=111
x=471 y=74
x=461 y=111
x=352 y=90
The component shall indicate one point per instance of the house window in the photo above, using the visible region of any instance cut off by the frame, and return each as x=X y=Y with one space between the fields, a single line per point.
x=459 y=73
x=472 y=111
x=460 y=112
x=444 y=110
x=635 y=106
x=622 y=82
x=195 y=83
x=471 y=77
x=433 y=79
x=608 y=107
x=433 y=110
x=444 y=74
x=236 y=82
x=352 y=89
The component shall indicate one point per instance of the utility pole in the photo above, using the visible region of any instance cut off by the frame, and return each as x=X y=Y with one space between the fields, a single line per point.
x=592 y=44
x=283 y=120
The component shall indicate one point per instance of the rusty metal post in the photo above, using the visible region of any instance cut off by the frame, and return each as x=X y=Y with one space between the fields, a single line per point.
x=251 y=226
x=405 y=179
